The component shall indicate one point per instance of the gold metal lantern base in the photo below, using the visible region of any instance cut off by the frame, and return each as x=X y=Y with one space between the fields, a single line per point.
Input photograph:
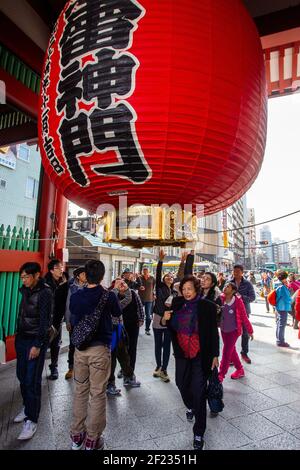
x=146 y=226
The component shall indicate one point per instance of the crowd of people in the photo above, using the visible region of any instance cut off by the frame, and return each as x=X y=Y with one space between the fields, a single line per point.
x=186 y=310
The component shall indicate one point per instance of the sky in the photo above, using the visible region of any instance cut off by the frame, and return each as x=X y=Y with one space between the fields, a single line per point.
x=276 y=190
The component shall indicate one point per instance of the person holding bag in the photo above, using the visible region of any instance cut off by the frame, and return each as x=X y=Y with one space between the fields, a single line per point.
x=92 y=309
x=120 y=349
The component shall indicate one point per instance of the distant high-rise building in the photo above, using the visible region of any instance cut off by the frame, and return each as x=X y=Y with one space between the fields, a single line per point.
x=295 y=253
x=281 y=253
x=265 y=235
x=239 y=210
x=250 y=240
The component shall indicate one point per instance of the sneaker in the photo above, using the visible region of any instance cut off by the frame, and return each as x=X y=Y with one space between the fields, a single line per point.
x=283 y=345
x=120 y=374
x=156 y=372
x=238 y=374
x=54 y=373
x=29 y=429
x=69 y=374
x=198 y=443
x=131 y=382
x=111 y=389
x=164 y=376
x=20 y=416
x=189 y=415
x=231 y=364
x=246 y=358
x=78 y=440
x=147 y=332
x=94 y=444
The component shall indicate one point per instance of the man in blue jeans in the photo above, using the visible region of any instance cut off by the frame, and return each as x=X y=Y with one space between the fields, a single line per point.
x=146 y=293
x=34 y=320
x=247 y=292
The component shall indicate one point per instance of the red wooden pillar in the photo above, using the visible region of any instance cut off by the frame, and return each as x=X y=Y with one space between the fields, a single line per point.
x=45 y=223
x=61 y=210
x=52 y=221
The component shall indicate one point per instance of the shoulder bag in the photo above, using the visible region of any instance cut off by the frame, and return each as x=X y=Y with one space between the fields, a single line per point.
x=86 y=328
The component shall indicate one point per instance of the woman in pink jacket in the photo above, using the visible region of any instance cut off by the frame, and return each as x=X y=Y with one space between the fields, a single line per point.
x=297 y=308
x=234 y=316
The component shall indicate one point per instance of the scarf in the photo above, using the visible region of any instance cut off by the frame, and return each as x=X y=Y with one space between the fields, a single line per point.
x=186 y=324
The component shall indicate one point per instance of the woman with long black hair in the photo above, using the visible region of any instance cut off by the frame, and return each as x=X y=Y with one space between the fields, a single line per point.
x=164 y=293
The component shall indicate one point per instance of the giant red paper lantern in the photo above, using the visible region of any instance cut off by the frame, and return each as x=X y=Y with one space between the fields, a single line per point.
x=164 y=101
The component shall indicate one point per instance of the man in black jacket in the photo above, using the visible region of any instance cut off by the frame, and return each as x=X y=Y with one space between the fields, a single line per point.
x=128 y=277
x=55 y=279
x=34 y=320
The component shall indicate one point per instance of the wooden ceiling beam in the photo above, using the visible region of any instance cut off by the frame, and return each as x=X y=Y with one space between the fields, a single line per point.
x=20 y=44
x=16 y=135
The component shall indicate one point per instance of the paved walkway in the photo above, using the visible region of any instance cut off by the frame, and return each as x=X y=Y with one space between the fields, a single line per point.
x=262 y=410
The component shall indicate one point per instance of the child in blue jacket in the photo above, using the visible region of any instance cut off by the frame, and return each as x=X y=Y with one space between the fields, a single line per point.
x=283 y=306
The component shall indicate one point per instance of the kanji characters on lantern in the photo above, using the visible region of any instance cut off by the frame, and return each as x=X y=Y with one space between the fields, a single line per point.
x=99 y=78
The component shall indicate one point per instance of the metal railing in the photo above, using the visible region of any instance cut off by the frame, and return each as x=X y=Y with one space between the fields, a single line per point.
x=13 y=240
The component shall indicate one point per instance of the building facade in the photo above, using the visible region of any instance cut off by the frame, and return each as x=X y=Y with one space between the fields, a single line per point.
x=250 y=241
x=19 y=185
x=281 y=252
x=239 y=219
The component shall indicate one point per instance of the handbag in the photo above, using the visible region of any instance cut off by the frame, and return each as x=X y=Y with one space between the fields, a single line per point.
x=215 y=392
x=169 y=300
x=52 y=333
x=117 y=335
x=85 y=330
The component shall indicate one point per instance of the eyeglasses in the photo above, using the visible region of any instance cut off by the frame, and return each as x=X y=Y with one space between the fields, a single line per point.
x=26 y=276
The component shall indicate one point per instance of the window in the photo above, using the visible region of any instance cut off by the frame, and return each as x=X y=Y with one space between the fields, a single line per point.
x=2 y=184
x=25 y=223
x=23 y=153
x=32 y=187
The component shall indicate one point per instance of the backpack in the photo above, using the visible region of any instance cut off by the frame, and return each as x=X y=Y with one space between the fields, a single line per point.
x=272 y=298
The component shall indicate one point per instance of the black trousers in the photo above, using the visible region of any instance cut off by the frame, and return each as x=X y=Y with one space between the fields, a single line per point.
x=192 y=385
x=245 y=340
x=132 y=330
x=120 y=353
x=71 y=352
x=54 y=349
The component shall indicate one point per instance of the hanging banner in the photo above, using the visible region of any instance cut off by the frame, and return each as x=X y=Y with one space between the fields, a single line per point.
x=224 y=227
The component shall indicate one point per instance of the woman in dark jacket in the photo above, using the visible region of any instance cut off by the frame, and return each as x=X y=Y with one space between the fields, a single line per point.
x=192 y=322
x=210 y=291
x=164 y=291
